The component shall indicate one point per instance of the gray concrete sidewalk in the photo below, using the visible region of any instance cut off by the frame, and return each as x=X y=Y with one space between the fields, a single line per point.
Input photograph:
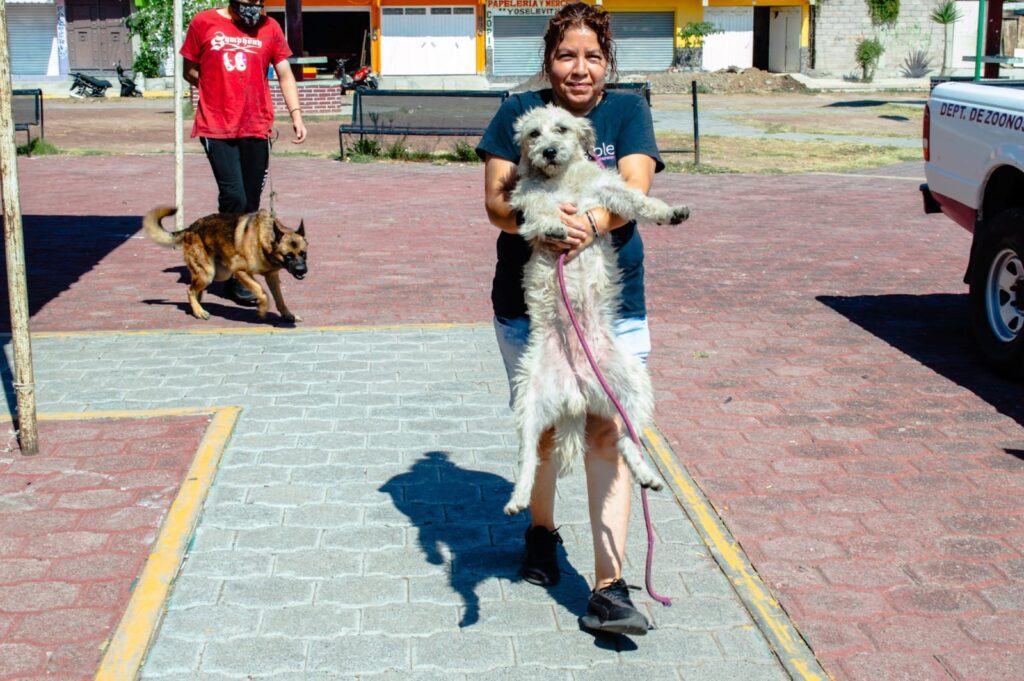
x=354 y=529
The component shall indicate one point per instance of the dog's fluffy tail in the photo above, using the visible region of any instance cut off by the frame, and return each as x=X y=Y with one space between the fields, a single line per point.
x=151 y=224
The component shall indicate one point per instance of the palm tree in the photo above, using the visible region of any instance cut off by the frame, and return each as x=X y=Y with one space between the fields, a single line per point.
x=946 y=13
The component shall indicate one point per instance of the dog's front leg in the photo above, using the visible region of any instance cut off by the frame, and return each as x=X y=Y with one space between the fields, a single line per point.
x=540 y=217
x=254 y=287
x=274 y=284
x=629 y=202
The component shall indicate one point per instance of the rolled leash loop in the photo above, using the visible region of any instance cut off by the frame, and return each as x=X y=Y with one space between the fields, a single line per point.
x=625 y=419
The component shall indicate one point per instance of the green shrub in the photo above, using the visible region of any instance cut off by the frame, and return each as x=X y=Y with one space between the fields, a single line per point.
x=365 y=146
x=465 y=152
x=694 y=32
x=396 y=151
x=153 y=23
x=884 y=11
x=869 y=50
x=38 y=147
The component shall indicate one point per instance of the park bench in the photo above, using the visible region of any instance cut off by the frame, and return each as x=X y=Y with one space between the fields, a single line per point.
x=642 y=88
x=440 y=113
x=460 y=113
x=27 y=110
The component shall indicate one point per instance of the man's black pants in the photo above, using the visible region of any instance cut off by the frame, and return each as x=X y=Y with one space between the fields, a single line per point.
x=240 y=168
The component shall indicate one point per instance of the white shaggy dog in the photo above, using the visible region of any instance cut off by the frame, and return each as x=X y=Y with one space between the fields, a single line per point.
x=555 y=386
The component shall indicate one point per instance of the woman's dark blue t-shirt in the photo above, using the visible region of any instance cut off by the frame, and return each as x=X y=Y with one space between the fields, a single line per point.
x=623 y=125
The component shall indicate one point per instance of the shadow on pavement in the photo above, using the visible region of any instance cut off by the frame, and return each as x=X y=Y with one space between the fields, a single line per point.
x=933 y=329
x=473 y=502
x=60 y=249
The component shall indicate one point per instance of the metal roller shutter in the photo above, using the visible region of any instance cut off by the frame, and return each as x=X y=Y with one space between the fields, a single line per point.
x=518 y=45
x=644 y=41
x=30 y=33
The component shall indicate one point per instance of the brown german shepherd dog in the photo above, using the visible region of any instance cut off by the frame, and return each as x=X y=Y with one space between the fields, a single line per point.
x=222 y=245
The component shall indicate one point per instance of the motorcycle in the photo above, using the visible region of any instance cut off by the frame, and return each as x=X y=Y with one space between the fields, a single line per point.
x=360 y=78
x=88 y=86
x=128 y=86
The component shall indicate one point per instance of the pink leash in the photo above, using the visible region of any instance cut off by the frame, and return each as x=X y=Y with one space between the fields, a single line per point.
x=625 y=419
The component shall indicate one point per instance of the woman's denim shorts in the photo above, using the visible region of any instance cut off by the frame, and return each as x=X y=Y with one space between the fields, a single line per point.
x=632 y=334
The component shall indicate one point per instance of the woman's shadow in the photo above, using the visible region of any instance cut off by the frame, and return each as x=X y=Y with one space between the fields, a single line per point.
x=483 y=541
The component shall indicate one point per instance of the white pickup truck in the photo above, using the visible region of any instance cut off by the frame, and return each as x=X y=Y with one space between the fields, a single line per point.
x=974 y=164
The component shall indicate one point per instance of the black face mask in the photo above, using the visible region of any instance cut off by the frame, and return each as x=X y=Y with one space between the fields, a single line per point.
x=248 y=15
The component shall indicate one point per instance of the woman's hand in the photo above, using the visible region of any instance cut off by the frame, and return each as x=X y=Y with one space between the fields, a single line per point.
x=579 y=233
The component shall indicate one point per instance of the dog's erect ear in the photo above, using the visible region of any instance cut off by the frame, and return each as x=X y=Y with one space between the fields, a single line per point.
x=301 y=231
x=586 y=135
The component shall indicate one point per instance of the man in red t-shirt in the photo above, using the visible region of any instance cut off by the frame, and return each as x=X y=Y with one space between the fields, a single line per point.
x=227 y=53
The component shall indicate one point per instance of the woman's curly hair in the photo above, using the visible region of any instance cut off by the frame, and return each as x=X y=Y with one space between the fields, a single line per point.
x=577 y=15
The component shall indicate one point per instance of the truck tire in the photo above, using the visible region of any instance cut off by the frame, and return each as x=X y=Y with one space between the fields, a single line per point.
x=997 y=292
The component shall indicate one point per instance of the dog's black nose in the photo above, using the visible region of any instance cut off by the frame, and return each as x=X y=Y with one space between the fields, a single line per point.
x=550 y=153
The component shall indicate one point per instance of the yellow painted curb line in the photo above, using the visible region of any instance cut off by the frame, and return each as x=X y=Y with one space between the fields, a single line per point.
x=232 y=331
x=130 y=641
x=792 y=651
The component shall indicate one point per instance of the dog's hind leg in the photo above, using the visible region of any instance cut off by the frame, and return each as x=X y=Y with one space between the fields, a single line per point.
x=530 y=430
x=634 y=393
x=274 y=284
x=201 y=278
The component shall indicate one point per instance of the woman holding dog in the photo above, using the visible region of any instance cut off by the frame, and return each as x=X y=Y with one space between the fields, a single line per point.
x=578 y=56
x=227 y=53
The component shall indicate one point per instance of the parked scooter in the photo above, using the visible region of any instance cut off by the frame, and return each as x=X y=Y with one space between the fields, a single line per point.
x=87 y=86
x=360 y=78
x=128 y=87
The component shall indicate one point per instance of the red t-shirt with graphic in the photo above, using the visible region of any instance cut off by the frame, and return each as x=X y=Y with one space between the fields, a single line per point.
x=234 y=98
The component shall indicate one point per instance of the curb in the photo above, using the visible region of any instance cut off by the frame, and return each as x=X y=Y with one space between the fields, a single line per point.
x=775 y=625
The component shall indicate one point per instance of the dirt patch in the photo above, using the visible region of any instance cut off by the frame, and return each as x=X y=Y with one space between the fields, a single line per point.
x=725 y=81
x=677 y=82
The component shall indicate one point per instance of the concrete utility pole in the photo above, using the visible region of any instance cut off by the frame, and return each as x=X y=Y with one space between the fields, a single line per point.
x=24 y=381
x=179 y=115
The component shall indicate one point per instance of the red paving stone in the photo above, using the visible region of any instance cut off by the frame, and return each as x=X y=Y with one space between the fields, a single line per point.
x=67 y=563
x=812 y=365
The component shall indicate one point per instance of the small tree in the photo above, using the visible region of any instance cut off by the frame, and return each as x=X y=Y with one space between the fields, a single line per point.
x=869 y=50
x=690 y=55
x=153 y=23
x=946 y=13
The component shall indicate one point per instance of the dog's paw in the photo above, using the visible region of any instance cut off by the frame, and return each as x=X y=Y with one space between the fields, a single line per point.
x=679 y=213
x=292 y=318
x=513 y=507
x=202 y=314
x=652 y=483
x=556 y=232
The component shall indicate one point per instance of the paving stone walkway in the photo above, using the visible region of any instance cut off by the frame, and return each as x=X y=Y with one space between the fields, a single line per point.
x=355 y=525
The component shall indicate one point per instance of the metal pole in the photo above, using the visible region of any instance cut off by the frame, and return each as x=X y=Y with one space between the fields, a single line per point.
x=979 y=49
x=179 y=115
x=24 y=381
x=696 y=126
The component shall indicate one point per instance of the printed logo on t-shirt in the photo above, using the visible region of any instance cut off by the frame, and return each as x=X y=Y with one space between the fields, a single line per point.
x=604 y=153
x=235 y=50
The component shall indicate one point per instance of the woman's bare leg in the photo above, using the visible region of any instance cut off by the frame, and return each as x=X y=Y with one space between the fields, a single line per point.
x=609 y=493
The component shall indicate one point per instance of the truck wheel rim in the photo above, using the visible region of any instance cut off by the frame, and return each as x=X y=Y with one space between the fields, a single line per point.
x=1004 y=318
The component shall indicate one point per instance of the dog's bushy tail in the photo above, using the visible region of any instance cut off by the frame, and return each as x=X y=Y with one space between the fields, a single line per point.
x=151 y=224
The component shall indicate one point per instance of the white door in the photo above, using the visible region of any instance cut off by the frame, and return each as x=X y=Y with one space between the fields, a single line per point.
x=965 y=36
x=784 y=39
x=428 y=41
x=735 y=45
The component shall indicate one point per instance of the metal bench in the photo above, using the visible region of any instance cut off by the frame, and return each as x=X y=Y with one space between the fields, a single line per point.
x=441 y=113
x=642 y=88
x=27 y=110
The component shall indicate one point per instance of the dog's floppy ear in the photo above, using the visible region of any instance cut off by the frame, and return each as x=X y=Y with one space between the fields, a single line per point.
x=586 y=135
x=301 y=231
x=517 y=129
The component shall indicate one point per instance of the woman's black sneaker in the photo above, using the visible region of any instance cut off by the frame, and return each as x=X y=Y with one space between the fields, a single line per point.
x=611 y=610
x=540 y=562
x=236 y=291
